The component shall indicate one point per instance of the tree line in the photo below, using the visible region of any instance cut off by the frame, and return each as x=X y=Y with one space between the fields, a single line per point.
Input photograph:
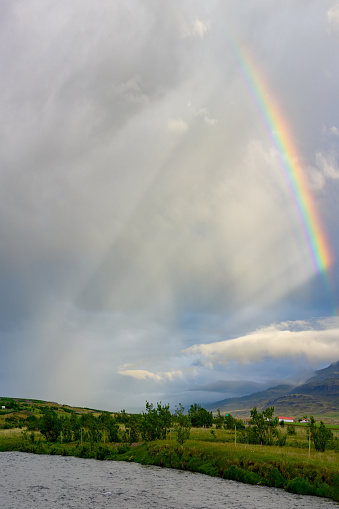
x=156 y=422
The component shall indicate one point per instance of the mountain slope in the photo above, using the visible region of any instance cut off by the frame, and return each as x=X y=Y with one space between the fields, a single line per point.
x=242 y=405
x=319 y=395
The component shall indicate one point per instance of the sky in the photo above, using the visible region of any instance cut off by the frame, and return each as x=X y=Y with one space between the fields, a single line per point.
x=169 y=182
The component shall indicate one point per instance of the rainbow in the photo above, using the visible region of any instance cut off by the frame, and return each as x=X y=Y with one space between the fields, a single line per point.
x=280 y=134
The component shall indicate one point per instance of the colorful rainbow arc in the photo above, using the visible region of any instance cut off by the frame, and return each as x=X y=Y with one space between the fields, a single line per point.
x=279 y=132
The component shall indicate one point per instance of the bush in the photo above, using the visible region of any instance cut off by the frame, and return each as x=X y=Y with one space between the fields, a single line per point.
x=277 y=478
x=291 y=430
x=123 y=448
x=281 y=440
x=336 y=487
x=300 y=486
x=239 y=474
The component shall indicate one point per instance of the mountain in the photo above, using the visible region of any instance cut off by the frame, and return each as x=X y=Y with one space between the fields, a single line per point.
x=323 y=374
x=242 y=406
x=318 y=396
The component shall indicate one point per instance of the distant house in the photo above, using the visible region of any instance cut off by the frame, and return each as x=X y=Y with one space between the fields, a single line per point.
x=285 y=419
x=304 y=420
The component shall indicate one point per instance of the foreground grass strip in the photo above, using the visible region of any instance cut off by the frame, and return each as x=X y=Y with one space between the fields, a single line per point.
x=285 y=468
x=268 y=466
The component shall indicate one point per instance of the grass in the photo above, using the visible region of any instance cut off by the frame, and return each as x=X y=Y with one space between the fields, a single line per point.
x=270 y=466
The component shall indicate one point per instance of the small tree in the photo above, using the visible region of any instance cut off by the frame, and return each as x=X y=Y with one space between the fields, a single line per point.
x=184 y=424
x=50 y=426
x=230 y=422
x=75 y=426
x=291 y=429
x=219 y=420
x=200 y=417
x=263 y=426
x=155 y=421
x=320 y=436
x=66 y=429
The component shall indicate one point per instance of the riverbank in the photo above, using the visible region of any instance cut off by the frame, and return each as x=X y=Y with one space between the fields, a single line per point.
x=295 y=473
x=285 y=468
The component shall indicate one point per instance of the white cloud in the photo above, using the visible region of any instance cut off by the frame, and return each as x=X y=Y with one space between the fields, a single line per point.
x=333 y=16
x=333 y=130
x=204 y=113
x=200 y=27
x=277 y=341
x=316 y=178
x=142 y=374
x=210 y=121
x=177 y=125
x=328 y=165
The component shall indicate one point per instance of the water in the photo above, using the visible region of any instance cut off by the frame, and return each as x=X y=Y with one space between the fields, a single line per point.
x=30 y=481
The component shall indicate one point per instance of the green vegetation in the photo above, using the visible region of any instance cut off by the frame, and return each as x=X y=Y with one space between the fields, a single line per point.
x=320 y=436
x=199 y=416
x=300 y=458
x=155 y=422
x=264 y=465
x=183 y=424
x=263 y=427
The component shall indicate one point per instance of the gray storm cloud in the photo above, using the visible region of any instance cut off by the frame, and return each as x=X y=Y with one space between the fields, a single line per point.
x=143 y=209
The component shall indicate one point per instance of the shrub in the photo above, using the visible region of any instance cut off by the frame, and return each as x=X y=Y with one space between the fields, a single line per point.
x=291 y=430
x=300 y=486
x=281 y=440
x=277 y=478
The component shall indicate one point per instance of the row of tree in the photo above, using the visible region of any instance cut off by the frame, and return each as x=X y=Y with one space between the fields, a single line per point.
x=157 y=421
x=263 y=429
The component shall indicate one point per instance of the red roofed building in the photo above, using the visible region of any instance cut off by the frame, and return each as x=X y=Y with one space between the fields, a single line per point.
x=285 y=419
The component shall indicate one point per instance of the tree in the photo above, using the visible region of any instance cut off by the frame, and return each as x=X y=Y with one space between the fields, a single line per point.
x=66 y=429
x=184 y=424
x=155 y=421
x=50 y=426
x=133 y=424
x=109 y=427
x=219 y=420
x=200 y=417
x=230 y=421
x=75 y=424
x=263 y=426
x=320 y=436
x=32 y=423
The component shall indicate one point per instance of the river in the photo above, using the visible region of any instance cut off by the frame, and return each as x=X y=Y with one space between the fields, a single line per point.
x=29 y=481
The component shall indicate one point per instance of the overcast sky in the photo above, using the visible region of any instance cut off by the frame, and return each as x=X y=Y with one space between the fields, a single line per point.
x=150 y=246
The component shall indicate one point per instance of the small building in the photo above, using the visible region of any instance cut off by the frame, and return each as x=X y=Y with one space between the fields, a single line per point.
x=304 y=421
x=3 y=407
x=285 y=419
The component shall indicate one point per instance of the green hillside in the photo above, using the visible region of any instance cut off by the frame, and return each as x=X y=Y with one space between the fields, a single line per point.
x=18 y=410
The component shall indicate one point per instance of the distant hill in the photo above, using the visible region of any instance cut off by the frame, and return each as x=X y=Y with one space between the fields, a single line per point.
x=319 y=395
x=242 y=406
x=18 y=409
